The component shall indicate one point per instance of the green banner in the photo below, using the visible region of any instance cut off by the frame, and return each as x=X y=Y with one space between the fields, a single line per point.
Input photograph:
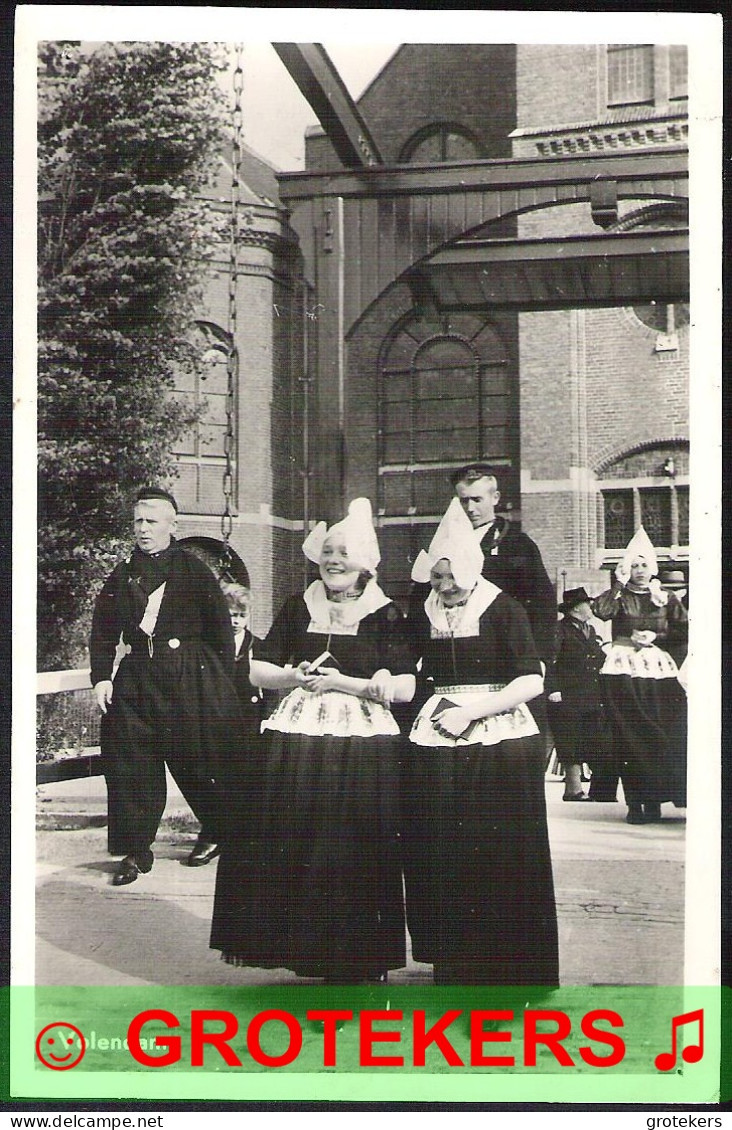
x=609 y=1044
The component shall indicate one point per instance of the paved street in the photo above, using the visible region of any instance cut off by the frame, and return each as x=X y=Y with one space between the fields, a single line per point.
x=620 y=894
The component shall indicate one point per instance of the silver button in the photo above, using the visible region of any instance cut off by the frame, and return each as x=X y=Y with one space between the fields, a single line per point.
x=174 y=643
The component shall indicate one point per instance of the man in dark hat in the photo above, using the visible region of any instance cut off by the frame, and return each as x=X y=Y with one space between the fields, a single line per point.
x=173 y=698
x=576 y=710
x=673 y=580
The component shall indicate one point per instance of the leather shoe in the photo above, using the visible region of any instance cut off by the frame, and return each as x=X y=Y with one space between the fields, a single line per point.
x=202 y=854
x=130 y=868
x=576 y=796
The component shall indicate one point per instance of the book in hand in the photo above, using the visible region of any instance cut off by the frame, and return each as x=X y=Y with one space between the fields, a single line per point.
x=445 y=704
x=323 y=660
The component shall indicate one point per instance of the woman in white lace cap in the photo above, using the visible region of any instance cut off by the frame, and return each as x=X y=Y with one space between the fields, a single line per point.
x=645 y=701
x=480 y=894
x=335 y=903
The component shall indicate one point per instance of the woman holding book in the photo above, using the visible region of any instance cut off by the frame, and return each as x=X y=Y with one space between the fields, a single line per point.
x=340 y=652
x=480 y=895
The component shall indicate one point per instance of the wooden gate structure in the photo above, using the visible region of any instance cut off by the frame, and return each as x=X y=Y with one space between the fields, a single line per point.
x=362 y=231
x=442 y=230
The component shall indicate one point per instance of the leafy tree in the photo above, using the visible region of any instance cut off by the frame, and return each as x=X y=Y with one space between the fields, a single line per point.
x=128 y=136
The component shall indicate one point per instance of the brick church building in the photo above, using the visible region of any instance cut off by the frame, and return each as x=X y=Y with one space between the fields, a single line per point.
x=505 y=277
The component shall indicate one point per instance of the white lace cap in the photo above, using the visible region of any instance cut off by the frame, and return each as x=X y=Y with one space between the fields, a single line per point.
x=640 y=545
x=455 y=540
x=357 y=530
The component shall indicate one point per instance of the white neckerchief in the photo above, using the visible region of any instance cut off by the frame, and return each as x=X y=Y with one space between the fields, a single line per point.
x=152 y=610
x=491 y=541
x=341 y=618
x=481 y=597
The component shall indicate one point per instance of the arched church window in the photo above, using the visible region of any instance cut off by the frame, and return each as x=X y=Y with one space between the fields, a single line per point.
x=437 y=144
x=666 y=318
x=648 y=487
x=446 y=397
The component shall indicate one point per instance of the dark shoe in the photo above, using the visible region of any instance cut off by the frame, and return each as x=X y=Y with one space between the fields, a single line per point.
x=576 y=796
x=635 y=815
x=131 y=867
x=202 y=854
x=652 y=813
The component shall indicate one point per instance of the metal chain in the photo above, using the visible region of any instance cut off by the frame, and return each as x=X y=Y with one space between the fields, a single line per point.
x=232 y=360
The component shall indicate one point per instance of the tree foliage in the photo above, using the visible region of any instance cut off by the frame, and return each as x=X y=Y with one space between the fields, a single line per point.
x=128 y=135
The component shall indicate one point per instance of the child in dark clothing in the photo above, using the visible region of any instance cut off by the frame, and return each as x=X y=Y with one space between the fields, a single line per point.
x=239 y=600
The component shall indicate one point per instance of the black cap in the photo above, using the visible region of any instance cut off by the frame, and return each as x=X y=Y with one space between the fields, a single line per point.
x=471 y=472
x=148 y=493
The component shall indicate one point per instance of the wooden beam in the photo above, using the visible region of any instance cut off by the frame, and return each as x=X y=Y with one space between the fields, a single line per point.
x=643 y=171
x=320 y=83
x=481 y=252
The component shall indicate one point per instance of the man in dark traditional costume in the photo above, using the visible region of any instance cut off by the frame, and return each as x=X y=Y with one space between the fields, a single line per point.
x=511 y=560
x=172 y=699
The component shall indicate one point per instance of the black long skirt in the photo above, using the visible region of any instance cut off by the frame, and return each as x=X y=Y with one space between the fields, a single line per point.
x=479 y=885
x=648 y=723
x=318 y=889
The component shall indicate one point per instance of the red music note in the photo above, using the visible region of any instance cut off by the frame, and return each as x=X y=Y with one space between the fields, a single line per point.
x=691 y=1054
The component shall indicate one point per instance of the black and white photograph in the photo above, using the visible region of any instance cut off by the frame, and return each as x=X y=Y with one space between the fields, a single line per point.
x=367 y=580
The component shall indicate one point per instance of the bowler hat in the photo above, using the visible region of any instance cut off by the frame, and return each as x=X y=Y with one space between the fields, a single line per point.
x=573 y=597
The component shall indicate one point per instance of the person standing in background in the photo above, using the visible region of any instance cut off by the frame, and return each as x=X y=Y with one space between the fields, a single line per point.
x=574 y=695
x=645 y=700
x=511 y=560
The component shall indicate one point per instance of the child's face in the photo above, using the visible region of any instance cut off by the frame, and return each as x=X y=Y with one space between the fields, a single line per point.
x=239 y=618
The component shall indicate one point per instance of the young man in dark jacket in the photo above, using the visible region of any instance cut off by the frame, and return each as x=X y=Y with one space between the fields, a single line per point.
x=172 y=699
x=511 y=559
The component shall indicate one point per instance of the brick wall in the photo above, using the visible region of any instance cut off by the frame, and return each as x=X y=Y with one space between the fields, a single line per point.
x=557 y=84
x=544 y=362
x=469 y=84
x=585 y=399
x=632 y=395
x=547 y=519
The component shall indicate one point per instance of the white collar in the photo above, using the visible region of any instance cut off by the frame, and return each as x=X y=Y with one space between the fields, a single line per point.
x=481 y=597
x=341 y=617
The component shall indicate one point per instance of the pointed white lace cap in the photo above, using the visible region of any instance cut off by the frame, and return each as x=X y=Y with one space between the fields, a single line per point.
x=455 y=540
x=640 y=545
x=357 y=530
